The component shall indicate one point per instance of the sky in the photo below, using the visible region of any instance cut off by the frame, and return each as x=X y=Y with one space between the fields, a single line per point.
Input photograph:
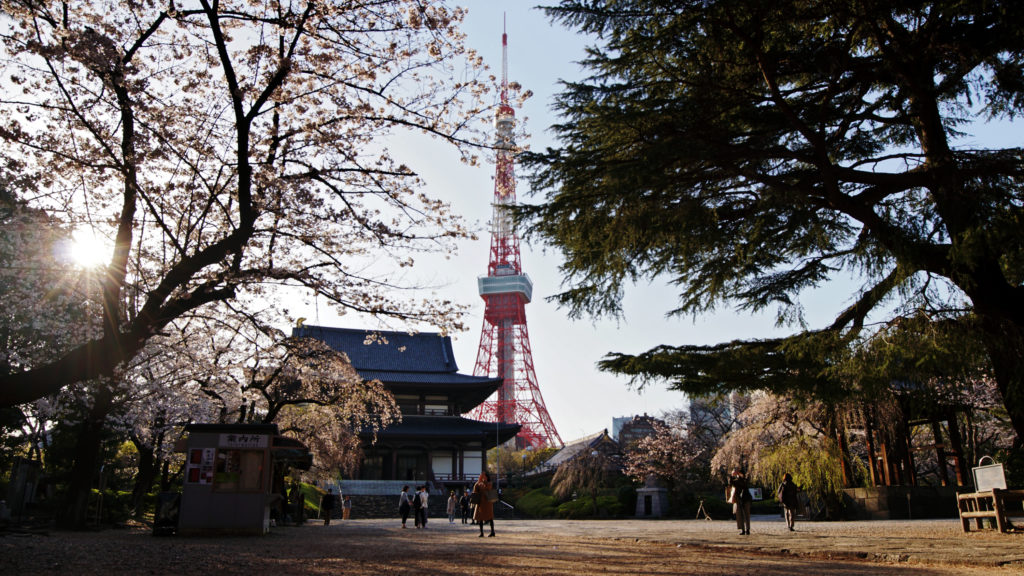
x=580 y=399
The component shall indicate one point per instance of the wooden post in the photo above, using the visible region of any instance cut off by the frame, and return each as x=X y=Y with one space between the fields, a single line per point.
x=940 y=452
x=886 y=464
x=908 y=477
x=869 y=439
x=844 y=456
x=957 y=446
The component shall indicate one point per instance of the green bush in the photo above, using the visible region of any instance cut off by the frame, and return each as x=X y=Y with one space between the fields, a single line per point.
x=583 y=507
x=116 y=506
x=537 y=503
x=610 y=506
x=626 y=495
x=573 y=509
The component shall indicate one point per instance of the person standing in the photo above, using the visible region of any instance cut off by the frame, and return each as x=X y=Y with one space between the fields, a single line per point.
x=327 y=506
x=786 y=494
x=739 y=496
x=417 y=504
x=464 y=506
x=453 y=502
x=346 y=508
x=404 y=505
x=298 y=503
x=424 y=497
x=485 y=508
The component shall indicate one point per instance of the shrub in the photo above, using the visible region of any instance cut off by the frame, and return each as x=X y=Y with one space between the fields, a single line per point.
x=626 y=495
x=116 y=506
x=538 y=503
x=580 y=508
x=584 y=507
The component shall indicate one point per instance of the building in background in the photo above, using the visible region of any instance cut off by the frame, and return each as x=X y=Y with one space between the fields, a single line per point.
x=630 y=430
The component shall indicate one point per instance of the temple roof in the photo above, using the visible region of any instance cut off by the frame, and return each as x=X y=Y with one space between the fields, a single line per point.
x=386 y=350
x=448 y=428
x=421 y=363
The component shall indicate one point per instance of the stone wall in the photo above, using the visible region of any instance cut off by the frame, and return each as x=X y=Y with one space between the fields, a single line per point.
x=900 y=502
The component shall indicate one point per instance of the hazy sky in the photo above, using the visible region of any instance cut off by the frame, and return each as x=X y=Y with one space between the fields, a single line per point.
x=580 y=399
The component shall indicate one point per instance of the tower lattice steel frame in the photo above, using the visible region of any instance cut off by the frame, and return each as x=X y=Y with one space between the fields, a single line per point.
x=504 y=341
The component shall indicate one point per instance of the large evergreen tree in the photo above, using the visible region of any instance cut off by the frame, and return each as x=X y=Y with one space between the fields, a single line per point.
x=749 y=151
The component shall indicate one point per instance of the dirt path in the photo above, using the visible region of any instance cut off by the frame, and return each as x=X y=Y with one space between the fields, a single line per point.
x=522 y=548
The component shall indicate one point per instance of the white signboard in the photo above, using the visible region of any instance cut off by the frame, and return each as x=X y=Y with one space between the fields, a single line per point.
x=988 y=477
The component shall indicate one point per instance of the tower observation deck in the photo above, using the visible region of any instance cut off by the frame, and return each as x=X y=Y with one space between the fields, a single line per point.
x=504 y=340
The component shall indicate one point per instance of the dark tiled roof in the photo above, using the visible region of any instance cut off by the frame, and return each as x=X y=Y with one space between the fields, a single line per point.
x=405 y=363
x=386 y=350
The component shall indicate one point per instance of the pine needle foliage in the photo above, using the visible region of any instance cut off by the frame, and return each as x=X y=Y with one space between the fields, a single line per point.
x=750 y=152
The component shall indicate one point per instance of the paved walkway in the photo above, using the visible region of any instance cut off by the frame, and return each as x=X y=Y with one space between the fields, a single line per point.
x=911 y=541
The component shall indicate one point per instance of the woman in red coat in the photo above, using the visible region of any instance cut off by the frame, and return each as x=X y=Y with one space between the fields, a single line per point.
x=485 y=508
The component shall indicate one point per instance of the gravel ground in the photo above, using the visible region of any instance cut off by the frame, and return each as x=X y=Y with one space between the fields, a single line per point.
x=527 y=547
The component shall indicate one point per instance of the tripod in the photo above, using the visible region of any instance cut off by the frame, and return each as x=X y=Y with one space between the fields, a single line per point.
x=701 y=510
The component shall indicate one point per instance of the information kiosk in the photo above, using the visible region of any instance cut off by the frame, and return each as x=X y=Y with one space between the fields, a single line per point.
x=228 y=486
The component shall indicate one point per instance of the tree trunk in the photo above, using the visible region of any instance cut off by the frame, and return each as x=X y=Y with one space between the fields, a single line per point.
x=87 y=453
x=148 y=468
x=165 y=477
x=1004 y=342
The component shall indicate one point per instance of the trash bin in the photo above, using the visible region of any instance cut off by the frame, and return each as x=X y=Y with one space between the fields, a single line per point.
x=165 y=518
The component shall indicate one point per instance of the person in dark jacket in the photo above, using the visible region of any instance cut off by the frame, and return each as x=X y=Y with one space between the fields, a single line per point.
x=327 y=506
x=786 y=494
x=464 y=507
x=297 y=500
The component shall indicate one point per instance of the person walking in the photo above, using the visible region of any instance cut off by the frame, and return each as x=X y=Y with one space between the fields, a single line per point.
x=739 y=496
x=786 y=494
x=405 y=505
x=464 y=506
x=346 y=508
x=485 y=507
x=453 y=503
x=424 y=497
x=327 y=506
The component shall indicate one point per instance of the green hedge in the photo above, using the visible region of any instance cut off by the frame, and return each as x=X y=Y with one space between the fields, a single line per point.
x=584 y=507
x=538 y=503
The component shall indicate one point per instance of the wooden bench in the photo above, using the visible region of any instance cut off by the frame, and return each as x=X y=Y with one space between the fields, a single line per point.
x=1000 y=505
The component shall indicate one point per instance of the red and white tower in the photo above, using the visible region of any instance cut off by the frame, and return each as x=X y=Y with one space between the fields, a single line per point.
x=504 y=341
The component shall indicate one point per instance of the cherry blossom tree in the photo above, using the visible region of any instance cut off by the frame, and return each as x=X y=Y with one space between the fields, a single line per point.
x=670 y=454
x=229 y=148
x=309 y=390
x=46 y=304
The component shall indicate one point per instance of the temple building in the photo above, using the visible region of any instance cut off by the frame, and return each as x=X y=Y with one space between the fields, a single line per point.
x=434 y=444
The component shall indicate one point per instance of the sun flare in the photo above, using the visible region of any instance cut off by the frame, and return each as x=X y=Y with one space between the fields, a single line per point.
x=89 y=250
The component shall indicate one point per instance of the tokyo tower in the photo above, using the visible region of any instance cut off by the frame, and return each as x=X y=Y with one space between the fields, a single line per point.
x=504 y=341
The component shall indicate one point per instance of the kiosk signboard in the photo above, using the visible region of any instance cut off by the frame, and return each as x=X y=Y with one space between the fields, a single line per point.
x=244 y=441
